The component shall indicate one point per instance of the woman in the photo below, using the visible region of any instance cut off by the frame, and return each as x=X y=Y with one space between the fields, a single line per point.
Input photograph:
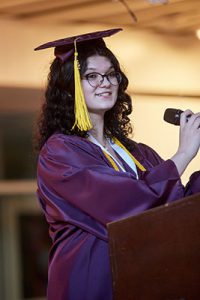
x=90 y=176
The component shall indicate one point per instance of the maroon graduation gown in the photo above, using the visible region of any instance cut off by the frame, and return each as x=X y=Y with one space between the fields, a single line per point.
x=80 y=193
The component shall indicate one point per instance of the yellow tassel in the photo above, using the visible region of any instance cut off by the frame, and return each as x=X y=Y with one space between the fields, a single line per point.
x=82 y=118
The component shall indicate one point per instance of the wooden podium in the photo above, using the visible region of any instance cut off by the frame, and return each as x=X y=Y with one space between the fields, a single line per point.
x=156 y=254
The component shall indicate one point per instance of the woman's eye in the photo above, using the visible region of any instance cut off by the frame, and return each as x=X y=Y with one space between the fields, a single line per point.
x=92 y=76
x=112 y=74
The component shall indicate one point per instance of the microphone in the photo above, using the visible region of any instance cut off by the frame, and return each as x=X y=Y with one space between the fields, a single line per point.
x=172 y=115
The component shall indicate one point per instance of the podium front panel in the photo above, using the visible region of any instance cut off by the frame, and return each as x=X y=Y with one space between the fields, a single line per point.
x=156 y=255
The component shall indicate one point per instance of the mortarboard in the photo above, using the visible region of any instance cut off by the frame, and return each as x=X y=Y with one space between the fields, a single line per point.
x=63 y=49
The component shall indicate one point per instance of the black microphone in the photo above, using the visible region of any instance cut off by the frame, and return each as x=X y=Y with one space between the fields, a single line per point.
x=172 y=115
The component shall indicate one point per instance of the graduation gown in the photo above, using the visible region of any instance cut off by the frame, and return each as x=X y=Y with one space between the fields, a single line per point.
x=80 y=192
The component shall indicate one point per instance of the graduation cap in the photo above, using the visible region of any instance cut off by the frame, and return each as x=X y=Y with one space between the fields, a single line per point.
x=63 y=49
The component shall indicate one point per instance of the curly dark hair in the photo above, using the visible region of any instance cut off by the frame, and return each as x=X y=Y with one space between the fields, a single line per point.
x=57 y=113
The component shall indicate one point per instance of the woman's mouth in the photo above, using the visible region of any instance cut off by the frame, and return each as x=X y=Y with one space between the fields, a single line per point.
x=103 y=94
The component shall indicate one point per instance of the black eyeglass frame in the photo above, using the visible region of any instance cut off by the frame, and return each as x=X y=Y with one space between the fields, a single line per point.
x=118 y=77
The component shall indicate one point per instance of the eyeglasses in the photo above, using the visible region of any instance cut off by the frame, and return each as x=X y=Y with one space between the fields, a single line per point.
x=96 y=79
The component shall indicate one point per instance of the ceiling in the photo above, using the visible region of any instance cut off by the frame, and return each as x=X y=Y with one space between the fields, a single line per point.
x=174 y=17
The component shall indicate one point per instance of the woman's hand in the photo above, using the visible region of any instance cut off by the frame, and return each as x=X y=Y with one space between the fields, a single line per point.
x=189 y=140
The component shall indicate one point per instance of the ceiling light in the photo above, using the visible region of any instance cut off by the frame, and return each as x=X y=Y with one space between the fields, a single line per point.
x=198 y=33
x=158 y=1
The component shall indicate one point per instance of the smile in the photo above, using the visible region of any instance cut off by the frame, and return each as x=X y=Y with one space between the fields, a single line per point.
x=104 y=94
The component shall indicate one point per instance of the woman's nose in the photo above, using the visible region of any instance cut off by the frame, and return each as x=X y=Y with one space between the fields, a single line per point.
x=105 y=81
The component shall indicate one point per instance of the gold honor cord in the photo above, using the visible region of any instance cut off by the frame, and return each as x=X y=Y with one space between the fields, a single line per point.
x=138 y=164
x=111 y=161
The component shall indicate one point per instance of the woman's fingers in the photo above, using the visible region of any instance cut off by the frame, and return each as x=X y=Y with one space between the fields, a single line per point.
x=189 y=118
x=189 y=133
x=195 y=121
x=185 y=117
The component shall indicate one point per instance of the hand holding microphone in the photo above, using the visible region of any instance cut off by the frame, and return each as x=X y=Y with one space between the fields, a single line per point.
x=189 y=137
x=173 y=115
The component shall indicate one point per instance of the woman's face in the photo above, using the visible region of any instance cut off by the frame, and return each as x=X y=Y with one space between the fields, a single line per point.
x=101 y=96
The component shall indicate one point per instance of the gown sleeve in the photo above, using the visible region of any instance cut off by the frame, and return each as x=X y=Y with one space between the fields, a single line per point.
x=193 y=185
x=77 y=185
